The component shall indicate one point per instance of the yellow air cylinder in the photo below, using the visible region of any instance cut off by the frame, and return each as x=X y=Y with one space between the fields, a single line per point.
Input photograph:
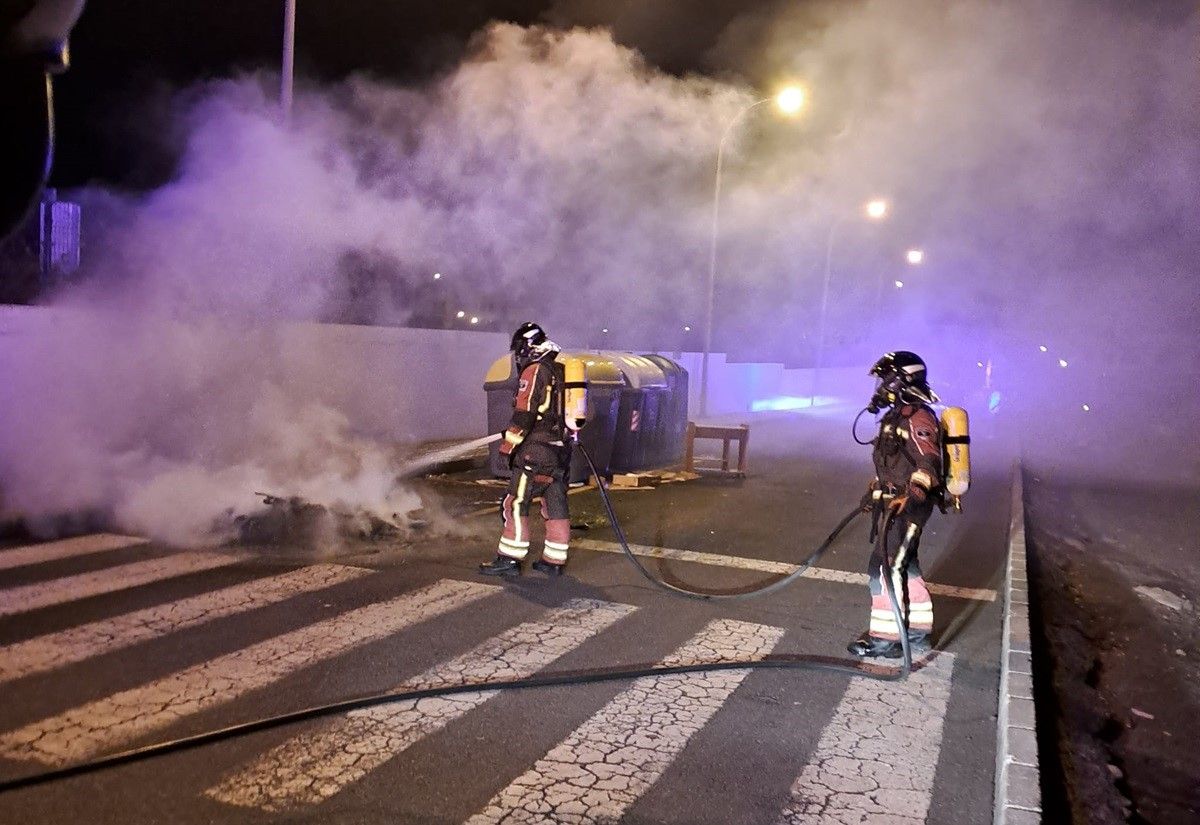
x=574 y=392
x=956 y=450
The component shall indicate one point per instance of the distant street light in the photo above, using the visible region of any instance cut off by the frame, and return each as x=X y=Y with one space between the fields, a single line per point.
x=1042 y=348
x=914 y=256
x=875 y=209
x=474 y=319
x=899 y=284
x=460 y=314
x=789 y=101
x=288 y=67
x=1062 y=362
x=437 y=276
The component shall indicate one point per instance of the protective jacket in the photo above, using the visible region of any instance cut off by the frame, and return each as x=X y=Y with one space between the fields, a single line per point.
x=908 y=453
x=537 y=410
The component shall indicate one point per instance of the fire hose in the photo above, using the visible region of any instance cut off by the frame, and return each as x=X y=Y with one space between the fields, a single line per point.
x=599 y=675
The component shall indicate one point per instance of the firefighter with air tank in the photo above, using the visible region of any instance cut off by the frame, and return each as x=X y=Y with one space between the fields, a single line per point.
x=548 y=411
x=920 y=463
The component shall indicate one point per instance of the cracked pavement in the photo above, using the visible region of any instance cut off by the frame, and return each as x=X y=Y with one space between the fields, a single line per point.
x=606 y=764
x=315 y=766
x=877 y=757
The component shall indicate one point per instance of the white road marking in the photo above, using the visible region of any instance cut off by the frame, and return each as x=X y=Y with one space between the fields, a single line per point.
x=65 y=549
x=79 y=643
x=876 y=759
x=108 y=580
x=90 y=729
x=607 y=763
x=766 y=566
x=314 y=766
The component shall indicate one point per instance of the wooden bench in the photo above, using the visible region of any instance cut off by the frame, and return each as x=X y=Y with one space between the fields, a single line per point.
x=727 y=434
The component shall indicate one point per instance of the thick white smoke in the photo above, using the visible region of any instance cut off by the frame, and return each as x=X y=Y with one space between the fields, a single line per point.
x=1043 y=156
x=164 y=395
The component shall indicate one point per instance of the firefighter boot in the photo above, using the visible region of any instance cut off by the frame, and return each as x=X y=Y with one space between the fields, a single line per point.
x=501 y=566
x=549 y=567
x=870 y=647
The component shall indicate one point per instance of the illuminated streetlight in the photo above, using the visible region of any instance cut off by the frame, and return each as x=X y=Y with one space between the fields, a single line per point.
x=1086 y=408
x=474 y=319
x=789 y=101
x=899 y=284
x=605 y=330
x=875 y=209
x=914 y=256
x=687 y=329
x=1062 y=362
x=1042 y=348
x=979 y=364
x=461 y=314
x=437 y=276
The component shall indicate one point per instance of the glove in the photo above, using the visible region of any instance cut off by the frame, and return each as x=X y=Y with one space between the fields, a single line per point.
x=899 y=504
x=509 y=451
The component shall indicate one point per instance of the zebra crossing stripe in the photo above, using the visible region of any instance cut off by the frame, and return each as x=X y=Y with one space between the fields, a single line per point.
x=76 y=644
x=65 y=549
x=607 y=763
x=877 y=756
x=314 y=766
x=108 y=580
x=781 y=568
x=90 y=729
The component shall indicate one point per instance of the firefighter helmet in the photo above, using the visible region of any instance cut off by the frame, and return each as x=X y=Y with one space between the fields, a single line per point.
x=529 y=343
x=901 y=377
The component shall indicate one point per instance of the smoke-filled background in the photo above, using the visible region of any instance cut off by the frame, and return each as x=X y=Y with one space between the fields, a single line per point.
x=1043 y=157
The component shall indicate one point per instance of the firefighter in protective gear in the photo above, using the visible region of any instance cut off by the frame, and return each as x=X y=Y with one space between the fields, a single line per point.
x=908 y=469
x=539 y=452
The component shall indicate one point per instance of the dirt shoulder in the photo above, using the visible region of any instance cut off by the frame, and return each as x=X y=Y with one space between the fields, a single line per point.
x=1115 y=581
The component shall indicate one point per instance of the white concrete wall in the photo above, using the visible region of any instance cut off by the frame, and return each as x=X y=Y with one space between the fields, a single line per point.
x=738 y=388
x=399 y=384
x=393 y=384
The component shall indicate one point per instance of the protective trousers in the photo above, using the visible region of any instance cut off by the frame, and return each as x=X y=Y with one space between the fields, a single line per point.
x=530 y=480
x=895 y=555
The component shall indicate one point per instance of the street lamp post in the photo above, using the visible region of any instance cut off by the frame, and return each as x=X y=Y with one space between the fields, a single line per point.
x=876 y=210
x=287 y=69
x=790 y=100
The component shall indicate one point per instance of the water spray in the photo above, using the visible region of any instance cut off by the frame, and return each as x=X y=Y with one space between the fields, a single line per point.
x=424 y=462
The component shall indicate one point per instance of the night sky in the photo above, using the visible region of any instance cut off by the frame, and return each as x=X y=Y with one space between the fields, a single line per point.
x=130 y=56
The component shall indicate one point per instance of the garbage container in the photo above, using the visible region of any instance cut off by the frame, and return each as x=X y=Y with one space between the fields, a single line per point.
x=671 y=422
x=605 y=383
x=637 y=411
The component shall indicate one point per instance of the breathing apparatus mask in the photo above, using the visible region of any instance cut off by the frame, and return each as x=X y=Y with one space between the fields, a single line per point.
x=900 y=379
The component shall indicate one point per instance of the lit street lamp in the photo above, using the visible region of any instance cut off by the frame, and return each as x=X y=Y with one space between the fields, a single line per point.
x=914 y=256
x=789 y=101
x=875 y=209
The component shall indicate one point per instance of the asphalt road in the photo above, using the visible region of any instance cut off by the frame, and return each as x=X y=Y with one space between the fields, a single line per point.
x=111 y=643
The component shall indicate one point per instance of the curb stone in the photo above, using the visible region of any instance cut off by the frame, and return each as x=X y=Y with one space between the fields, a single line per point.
x=1018 y=798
